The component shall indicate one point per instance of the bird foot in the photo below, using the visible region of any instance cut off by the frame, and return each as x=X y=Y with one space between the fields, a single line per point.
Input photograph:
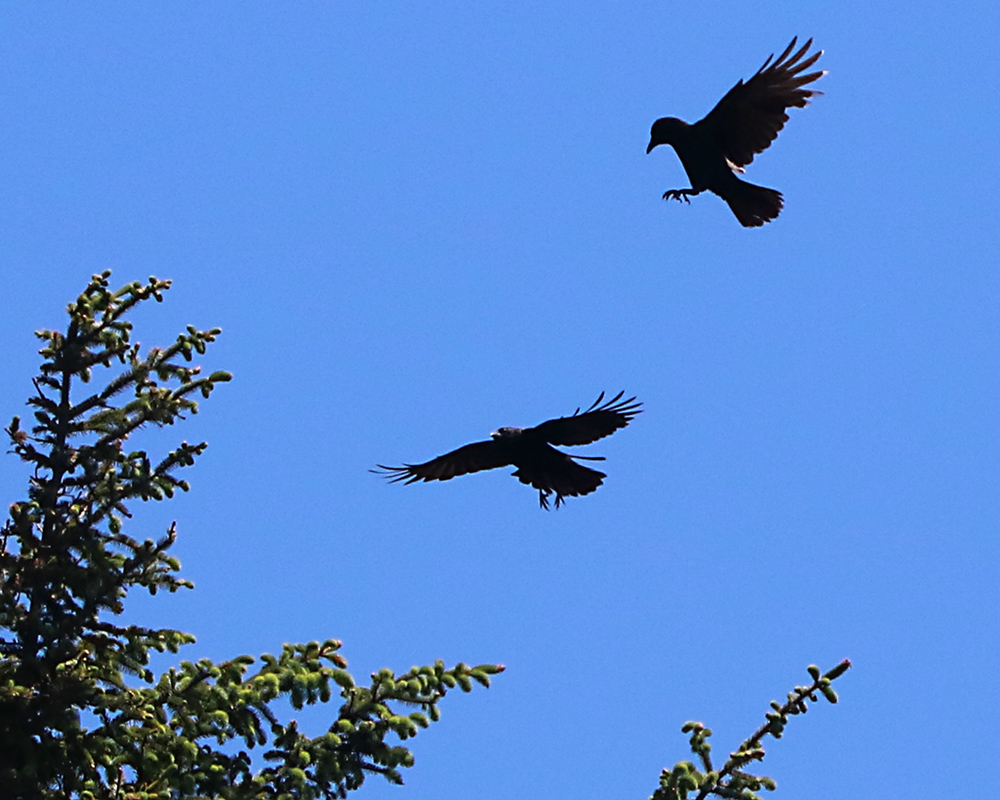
x=678 y=194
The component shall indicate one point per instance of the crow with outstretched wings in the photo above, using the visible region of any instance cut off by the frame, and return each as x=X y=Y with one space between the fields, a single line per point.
x=742 y=124
x=538 y=463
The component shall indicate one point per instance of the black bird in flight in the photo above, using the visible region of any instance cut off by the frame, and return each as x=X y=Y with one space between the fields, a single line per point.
x=530 y=450
x=742 y=124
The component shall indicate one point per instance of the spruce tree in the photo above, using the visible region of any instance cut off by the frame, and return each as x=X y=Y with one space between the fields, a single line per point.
x=81 y=713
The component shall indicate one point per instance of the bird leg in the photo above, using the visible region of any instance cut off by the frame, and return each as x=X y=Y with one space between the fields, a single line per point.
x=679 y=194
x=543 y=499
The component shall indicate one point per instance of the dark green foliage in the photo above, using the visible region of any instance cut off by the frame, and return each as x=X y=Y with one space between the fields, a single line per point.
x=686 y=779
x=71 y=725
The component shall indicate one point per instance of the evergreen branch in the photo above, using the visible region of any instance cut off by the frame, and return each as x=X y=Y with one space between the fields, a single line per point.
x=731 y=781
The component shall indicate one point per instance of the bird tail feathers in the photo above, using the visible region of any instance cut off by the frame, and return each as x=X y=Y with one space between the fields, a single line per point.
x=753 y=205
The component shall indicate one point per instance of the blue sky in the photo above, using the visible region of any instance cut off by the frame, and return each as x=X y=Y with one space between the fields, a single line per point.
x=416 y=224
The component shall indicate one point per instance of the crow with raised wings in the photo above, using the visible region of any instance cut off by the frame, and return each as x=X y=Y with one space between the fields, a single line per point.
x=742 y=124
x=530 y=450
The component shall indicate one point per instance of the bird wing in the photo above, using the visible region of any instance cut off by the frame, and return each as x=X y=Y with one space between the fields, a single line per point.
x=595 y=423
x=748 y=118
x=471 y=458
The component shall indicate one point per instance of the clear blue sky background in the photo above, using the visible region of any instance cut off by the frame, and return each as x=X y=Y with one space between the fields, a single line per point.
x=418 y=222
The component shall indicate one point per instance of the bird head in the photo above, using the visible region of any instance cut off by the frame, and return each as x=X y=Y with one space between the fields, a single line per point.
x=503 y=433
x=664 y=131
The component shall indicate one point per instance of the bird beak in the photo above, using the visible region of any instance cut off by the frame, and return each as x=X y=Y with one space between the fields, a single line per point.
x=650 y=147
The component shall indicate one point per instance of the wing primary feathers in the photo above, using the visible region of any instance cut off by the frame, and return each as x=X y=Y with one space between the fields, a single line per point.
x=788 y=50
x=626 y=408
x=600 y=419
x=799 y=54
x=792 y=69
x=598 y=400
x=396 y=474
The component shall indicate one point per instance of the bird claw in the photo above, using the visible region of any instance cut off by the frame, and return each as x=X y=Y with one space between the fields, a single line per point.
x=677 y=194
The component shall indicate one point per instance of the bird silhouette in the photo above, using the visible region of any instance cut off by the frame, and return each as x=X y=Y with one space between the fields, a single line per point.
x=742 y=124
x=530 y=450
